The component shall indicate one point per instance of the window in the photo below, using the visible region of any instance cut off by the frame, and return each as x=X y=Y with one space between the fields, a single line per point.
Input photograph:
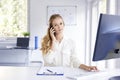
x=112 y=5
x=101 y=6
x=13 y=17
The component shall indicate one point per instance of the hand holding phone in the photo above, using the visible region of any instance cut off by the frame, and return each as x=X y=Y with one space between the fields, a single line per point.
x=52 y=34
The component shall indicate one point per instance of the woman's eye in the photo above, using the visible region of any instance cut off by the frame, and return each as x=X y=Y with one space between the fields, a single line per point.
x=55 y=25
x=61 y=23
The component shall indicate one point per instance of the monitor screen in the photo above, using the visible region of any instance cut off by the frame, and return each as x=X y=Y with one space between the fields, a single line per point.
x=107 y=45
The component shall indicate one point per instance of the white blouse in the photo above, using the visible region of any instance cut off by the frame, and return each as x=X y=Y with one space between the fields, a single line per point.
x=64 y=54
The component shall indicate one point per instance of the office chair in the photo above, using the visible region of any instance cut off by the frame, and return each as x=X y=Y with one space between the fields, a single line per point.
x=35 y=58
x=115 y=78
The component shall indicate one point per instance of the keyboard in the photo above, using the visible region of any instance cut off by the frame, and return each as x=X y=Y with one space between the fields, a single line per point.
x=86 y=75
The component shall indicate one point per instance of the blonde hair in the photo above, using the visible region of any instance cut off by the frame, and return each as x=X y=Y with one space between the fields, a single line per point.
x=47 y=41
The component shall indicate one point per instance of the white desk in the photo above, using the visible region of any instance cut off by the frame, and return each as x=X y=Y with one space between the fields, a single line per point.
x=29 y=73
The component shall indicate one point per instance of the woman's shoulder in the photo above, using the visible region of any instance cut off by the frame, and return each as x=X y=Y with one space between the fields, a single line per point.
x=69 y=40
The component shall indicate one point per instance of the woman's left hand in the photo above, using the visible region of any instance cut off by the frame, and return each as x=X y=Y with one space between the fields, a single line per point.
x=92 y=68
x=88 y=68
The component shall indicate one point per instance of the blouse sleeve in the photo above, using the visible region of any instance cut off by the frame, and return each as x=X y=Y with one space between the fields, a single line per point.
x=49 y=58
x=75 y=61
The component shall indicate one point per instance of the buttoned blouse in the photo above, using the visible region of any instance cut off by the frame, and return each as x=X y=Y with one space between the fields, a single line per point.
x=64 y=54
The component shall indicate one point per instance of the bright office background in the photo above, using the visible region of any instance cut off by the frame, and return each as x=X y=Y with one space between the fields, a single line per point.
x=17 y=16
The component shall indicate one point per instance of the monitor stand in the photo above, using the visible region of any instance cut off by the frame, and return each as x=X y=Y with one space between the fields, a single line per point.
x=115 y=78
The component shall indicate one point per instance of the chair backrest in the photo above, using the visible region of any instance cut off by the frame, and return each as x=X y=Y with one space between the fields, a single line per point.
x=115 y=78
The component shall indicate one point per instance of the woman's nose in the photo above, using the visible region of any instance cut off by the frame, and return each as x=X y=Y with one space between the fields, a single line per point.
x=59 y=26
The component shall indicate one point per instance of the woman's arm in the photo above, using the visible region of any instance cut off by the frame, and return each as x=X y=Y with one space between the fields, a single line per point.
x=49 y=58
x=77 y=63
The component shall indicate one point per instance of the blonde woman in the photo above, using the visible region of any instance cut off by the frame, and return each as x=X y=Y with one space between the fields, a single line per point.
x=58 y=50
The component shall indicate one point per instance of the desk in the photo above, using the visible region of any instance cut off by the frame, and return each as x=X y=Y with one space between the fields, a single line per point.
x=29 y=73
x=24 y=73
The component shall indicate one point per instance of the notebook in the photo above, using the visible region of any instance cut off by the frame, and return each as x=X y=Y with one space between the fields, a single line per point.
x=51 y=71
x=22 y=43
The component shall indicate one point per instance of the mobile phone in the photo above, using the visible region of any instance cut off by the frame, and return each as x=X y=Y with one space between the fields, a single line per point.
x=54 y=30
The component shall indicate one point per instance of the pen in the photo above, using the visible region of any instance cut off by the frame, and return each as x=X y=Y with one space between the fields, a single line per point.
x=49 y=71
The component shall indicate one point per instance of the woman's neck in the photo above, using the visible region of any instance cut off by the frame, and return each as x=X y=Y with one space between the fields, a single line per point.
x=59 y=37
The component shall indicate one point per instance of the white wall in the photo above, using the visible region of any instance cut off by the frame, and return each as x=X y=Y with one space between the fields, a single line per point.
x=38 y=21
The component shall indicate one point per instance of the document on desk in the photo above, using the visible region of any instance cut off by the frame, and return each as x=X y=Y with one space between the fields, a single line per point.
x=51 y=71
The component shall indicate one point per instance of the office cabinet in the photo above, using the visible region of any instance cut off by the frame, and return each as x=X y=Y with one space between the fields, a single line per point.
x=14 y=57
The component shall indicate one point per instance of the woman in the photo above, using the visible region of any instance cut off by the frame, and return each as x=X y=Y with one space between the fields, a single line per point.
x=58 y=50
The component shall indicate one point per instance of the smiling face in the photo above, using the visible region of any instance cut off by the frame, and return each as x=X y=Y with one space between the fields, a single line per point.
x=58 y=25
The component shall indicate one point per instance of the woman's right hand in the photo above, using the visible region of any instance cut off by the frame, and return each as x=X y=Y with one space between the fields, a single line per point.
x=52 y=34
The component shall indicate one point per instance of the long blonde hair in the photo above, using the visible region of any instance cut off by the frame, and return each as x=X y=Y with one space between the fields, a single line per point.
x=47 y=41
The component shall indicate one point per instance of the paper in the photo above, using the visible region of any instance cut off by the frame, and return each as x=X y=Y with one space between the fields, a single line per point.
x=51 y=71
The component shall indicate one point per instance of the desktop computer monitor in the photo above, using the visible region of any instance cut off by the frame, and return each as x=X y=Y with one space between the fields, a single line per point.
x=107 y=45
